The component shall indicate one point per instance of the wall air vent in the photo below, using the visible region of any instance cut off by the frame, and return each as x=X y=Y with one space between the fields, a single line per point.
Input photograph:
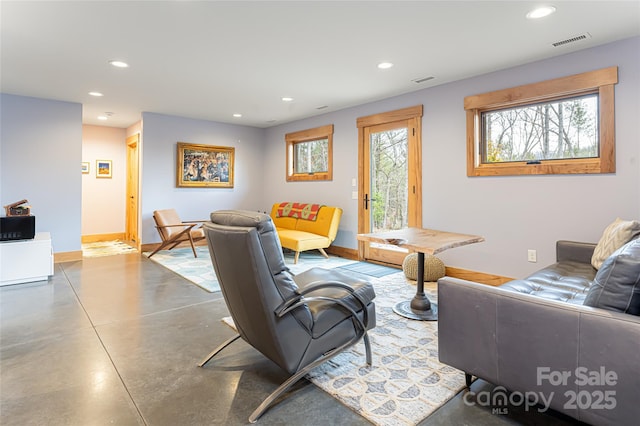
x=571 y=40
x=423 y=79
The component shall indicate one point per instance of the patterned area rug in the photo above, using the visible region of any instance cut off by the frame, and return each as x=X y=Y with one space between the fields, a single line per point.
x=200 y=270
x=106 y=248
x=406 y=382
x=371 y=269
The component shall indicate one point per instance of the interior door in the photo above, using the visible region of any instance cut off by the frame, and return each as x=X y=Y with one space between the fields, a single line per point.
x=390 y=176
x=131 y=227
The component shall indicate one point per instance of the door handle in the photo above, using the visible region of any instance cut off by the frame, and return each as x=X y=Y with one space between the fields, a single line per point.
x=367 y=200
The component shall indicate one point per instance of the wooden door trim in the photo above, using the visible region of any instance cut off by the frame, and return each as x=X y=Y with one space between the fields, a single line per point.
x=390 y=116
x=133 y=142
x=412 y=115
x=415 y=173
x=361 y=213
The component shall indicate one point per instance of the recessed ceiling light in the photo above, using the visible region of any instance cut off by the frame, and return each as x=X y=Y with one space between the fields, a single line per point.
x=119 y=64
x=541 y=12
x=103 y=117
x=385 y=65
x=287 y=99
x=98 y=94
x=236 y=115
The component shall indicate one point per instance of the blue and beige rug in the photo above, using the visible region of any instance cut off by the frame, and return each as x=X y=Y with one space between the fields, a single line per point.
x=406 y=382
x=370 y=269
x=200 y=270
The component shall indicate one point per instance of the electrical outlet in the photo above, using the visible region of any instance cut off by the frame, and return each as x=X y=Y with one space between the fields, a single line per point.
x=532 y=256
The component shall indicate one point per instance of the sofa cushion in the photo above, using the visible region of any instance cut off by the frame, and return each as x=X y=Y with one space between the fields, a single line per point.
x=614 y=236
x=324 y=224
x=301 y=241
x=616 y=286
x=285 y=222
x=564 y=281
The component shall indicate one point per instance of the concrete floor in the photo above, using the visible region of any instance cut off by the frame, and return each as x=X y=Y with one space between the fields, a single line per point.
x=115 y=341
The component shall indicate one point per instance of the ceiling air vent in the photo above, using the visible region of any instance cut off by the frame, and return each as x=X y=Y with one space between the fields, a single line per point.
x=571 y=40
x=423 y=79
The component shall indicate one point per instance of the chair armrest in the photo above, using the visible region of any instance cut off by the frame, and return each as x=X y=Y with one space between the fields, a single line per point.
x=186 y=228
x=320 y=285
x=182 y=225
x=574 y=251
x=299 y=299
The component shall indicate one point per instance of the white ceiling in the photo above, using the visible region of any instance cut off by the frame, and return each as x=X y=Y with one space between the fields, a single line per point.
x=209 y=60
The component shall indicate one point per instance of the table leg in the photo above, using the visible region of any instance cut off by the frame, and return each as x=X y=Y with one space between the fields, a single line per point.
x=420 y=307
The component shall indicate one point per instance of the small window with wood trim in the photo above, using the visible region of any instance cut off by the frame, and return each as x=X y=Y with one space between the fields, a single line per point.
x=557 y=126
x=309 y=154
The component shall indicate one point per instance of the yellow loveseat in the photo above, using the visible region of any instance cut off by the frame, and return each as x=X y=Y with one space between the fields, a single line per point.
x=301 y=234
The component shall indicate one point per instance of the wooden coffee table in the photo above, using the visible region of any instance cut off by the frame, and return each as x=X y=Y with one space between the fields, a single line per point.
x=423 y=241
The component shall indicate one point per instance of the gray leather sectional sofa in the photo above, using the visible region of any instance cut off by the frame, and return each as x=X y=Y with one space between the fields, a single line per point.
x=537 y=339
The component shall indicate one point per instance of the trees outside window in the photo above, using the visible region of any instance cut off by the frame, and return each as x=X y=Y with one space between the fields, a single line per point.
x=559 y=126
x=547 y=131
x=310 y=154
x=389 y=179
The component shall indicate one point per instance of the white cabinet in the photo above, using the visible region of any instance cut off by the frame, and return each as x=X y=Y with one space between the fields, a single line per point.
x=25 y=261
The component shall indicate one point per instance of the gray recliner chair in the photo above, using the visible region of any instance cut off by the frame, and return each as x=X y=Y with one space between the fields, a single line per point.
x=298 y=322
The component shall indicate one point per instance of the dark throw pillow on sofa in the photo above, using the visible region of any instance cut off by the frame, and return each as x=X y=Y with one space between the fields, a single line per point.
x=616 y=286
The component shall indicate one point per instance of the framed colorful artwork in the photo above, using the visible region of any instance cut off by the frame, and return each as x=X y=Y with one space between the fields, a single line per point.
x=204 y=166
x=104 y=169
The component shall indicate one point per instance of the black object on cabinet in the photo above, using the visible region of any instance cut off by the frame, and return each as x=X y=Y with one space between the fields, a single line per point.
x=17 y=228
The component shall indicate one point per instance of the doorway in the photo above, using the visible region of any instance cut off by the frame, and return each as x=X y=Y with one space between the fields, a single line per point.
x=390 y=176
x=133 y=185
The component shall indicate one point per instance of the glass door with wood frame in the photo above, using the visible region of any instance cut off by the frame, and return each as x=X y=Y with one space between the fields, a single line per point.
x=390 y=176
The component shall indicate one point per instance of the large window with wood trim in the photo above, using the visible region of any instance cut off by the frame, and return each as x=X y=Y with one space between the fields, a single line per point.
x=559 y=126
x=309 y=154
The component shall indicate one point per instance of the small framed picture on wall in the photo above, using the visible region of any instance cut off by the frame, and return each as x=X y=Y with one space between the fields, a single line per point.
x=103 y=169
x=85 y=168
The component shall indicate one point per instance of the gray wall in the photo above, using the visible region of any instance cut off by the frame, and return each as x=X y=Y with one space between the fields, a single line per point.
x=512 y=213
x=160 y=134
x=41 y=152
x=41 y=145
